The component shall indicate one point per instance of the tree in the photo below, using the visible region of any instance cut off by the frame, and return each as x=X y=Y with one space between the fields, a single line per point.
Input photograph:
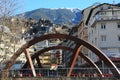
x=8 y=9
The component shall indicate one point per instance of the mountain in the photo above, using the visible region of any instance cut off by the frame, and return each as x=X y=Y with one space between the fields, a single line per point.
x=118 y=4
x=57 y=16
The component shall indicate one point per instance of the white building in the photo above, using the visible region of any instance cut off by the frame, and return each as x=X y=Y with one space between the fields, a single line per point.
x=103 y=28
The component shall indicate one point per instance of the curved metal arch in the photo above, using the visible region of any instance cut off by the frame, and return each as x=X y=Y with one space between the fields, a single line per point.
x=87 y=59
x=45 y=50
x=100 y=54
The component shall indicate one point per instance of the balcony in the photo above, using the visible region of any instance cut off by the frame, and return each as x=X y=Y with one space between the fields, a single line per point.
x=101 y=17
x=104 y=18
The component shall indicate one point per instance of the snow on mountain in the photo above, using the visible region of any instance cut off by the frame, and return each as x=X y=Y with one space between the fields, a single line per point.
x=57 y=15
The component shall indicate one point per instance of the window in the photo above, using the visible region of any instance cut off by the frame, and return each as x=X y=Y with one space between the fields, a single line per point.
x=92 y=42
x=118 y=38
x=103 y=13
x=119 y=50
x=103 y=38
x=109 y=7
x=114 y=12
x=103 y=26
x=118 y=25
x=101 y=8
x=92 y=32
x=95 y=40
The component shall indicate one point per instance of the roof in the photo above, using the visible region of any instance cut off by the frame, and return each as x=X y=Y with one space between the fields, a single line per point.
x=4 y=29
x=92 y=9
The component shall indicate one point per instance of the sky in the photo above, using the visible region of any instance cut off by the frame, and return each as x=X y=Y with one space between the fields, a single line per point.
x=82 y=4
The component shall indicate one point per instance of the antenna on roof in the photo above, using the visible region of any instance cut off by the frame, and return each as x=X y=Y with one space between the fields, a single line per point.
x=113 y=1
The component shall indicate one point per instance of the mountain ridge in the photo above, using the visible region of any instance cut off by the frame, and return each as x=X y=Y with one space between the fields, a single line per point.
x=57 y=15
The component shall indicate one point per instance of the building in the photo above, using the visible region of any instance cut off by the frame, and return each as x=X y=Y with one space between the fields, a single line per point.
x=100 y=26
x=43 y=27
x=67 y=55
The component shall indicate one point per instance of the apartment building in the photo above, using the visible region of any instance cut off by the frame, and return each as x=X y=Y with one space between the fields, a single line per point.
x=100 y=26
x=68 y=55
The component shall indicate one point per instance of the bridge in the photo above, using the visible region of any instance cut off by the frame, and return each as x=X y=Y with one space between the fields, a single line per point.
x=75 y=51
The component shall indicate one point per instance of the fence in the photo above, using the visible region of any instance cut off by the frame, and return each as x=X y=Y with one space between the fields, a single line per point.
x=60 y=78
x=61 y=73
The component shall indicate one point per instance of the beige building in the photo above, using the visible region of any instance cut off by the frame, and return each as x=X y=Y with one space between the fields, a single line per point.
x=100 y=26
x=67 y=54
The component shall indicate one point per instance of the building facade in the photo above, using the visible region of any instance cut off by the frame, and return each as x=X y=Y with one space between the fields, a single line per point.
x=68 y=55
x=100 y=26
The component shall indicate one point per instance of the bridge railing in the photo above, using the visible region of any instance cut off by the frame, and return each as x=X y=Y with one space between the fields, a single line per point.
x=62 y=72
x=60 y=78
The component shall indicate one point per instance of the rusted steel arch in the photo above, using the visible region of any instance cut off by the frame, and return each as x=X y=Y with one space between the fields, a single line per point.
x=42 y=51
x=87 y=59
x=100 y=54
x=45 y=50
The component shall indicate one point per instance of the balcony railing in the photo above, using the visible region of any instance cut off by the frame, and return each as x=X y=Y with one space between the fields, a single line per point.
x=102 y=18
x=60 y=72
